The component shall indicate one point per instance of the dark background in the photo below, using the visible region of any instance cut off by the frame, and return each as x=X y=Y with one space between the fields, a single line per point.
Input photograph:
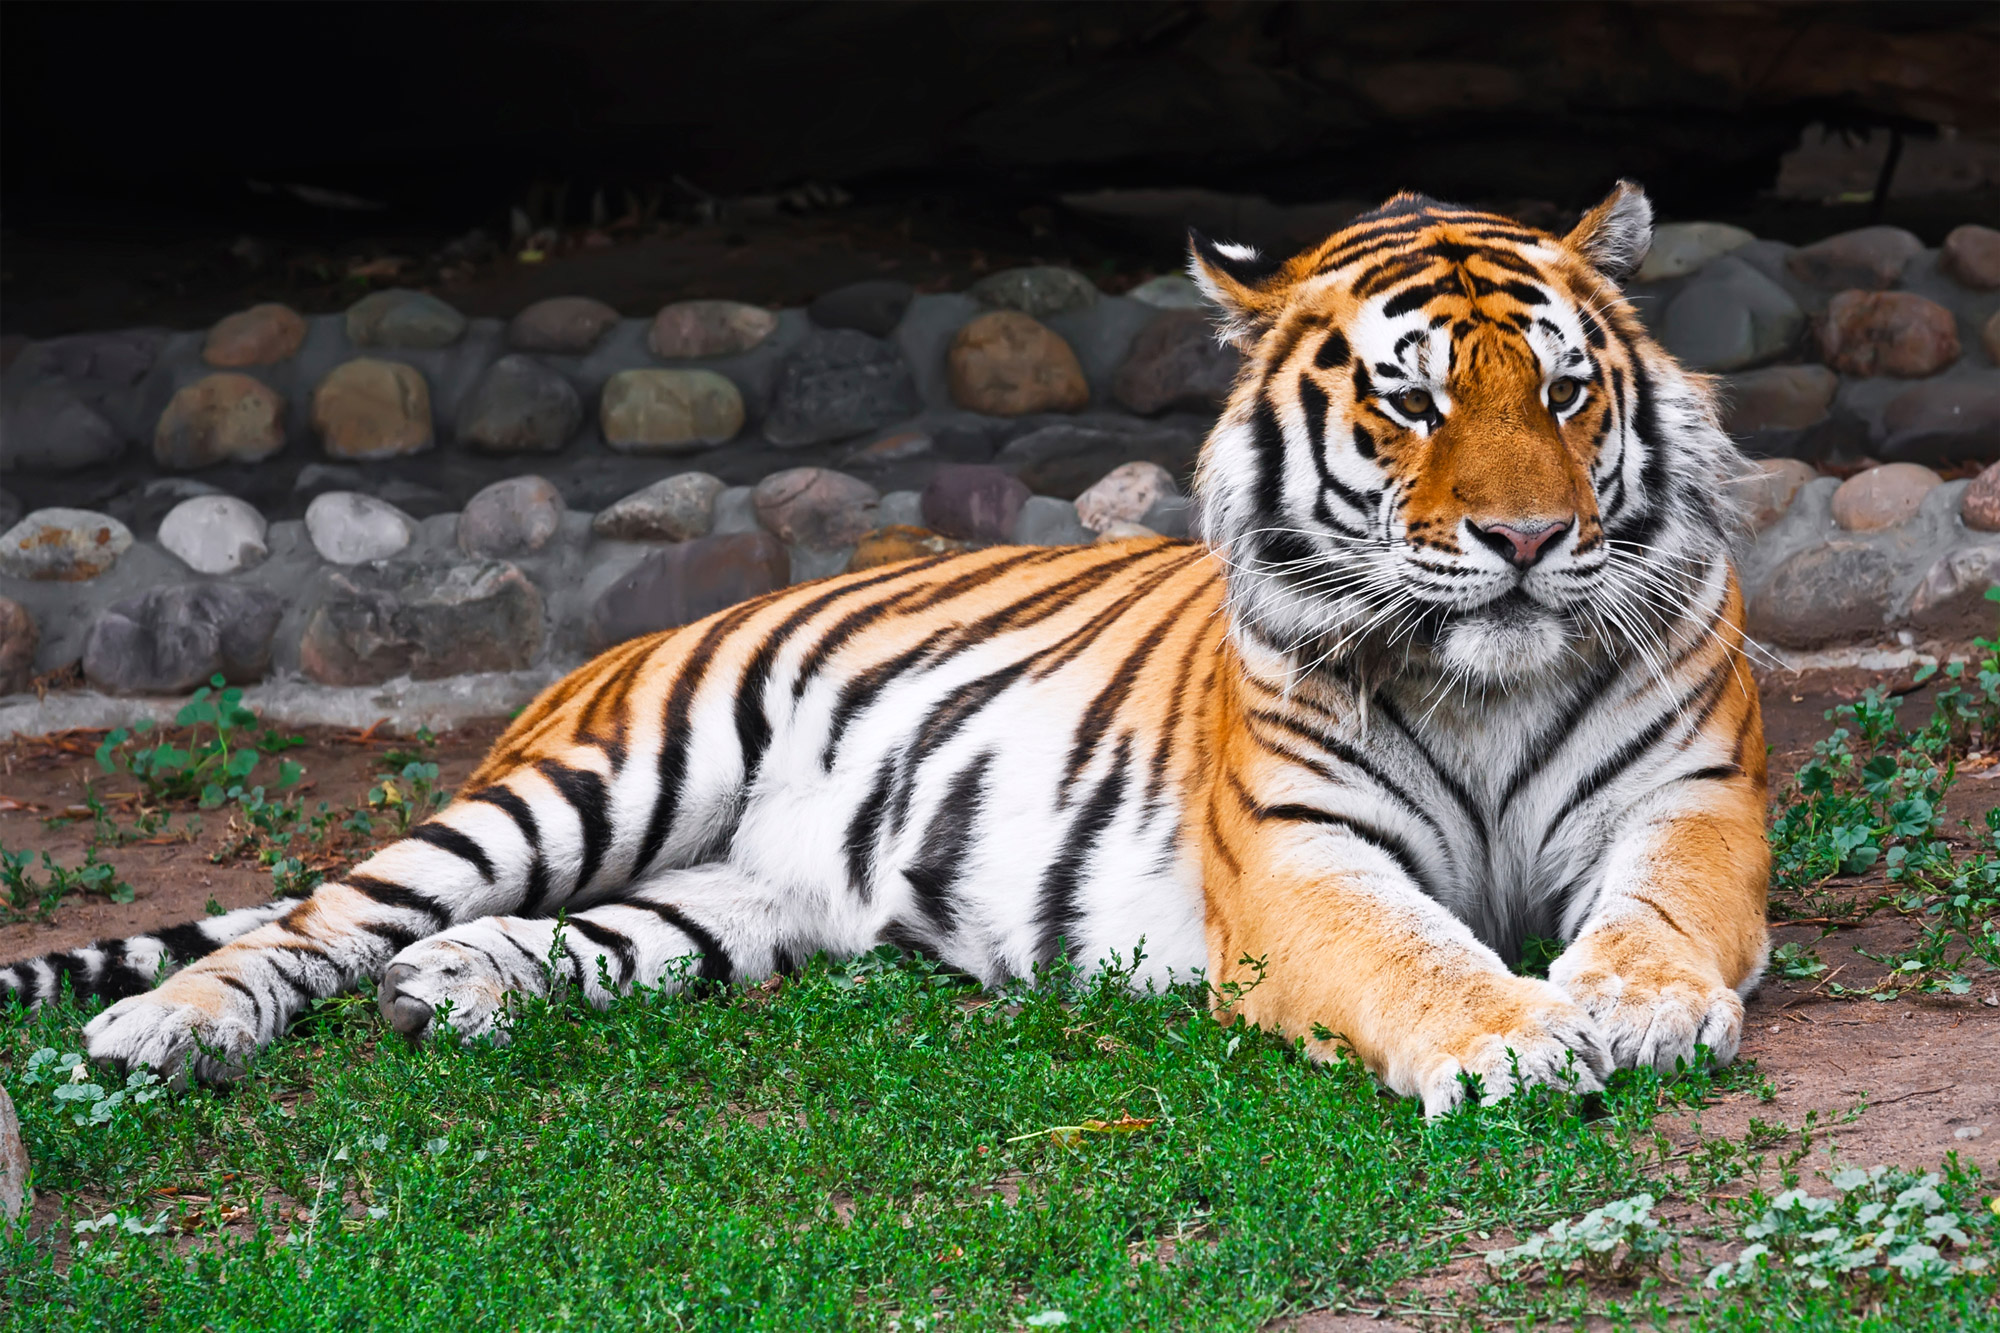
x=147 y=151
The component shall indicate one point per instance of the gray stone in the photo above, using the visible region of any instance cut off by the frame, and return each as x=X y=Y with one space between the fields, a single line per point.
x=1831 y=593
x=1730 y=317
x=263 y=335
x=1950 y=602
x=367 y=408
x=1944 y=421
x=839 y=383
x=10 y=510
x=1171 y=291
x=816 y=508
x=170 y=640
x=1979 y=507
x=669 y=411
x=1883 y=497
x=679 y=584
x=1780 y=399
x=1769 y=489
x=144 y=507
x=215 y=534
x=1176 y=361
x=514 y=517
x=1040 y=290
x=63 y=545
x=348 y=528
x=519 y=406
x=694 y=329
x=221 y=418
x=1172 y=516
x=424 y=620
x=1124 y=495
x=873 y=308
x=901 y=509
x=47 y=428
x=15 y=1196
x=1971 y=257
x=119 y=359
x=19 y=638
x=1872 y=258
x=403 y=318
x=566 y=325
x=974 y=502
x=1063 y=459
x=736 y=511
x=1047 y=521
x=318 y=478
x=676 y=509
x=1681 y=248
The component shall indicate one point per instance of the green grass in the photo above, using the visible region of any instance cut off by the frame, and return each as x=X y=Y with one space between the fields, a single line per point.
x=837 y=1152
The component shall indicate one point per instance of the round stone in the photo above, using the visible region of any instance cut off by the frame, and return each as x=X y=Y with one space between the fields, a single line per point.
x=1882 y=497
x=1729 y=316
x=169 y=640
x=1950 y=600
x=372 y=409
x=679 y=584
x=222 y=418
x=1888 y=333
x=708 y=328
x=215 y=534
x=1871 y=257
x=974 y=501
x=839 y=383
x=1947 y=420
x=423 y=619
x=565 y=325
x=10 y=510
x=18 y=641
x=1039 y=291
x=1778 y=398
x=1170 y=291
x=48 y=428
x=675 y=509
x=1176 y=361
x=1007 y=364
x=1771 y=486
x=1680 y=248
x=1971 y=255
x=668 y=411
x=63 y=545
x=1124 y=495
x=519 y=406
x=1833 y=592
x=512 y=517
x=816 y=507
x=873 y=308
x=348 y=528
x=1989 y=337
x=1979 y=506
x=260 y=336
x=1048 y=521
x=400 y=317
x=888 y=546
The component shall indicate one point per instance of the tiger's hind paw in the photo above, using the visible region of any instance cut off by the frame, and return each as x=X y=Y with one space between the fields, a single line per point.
x=449 y=978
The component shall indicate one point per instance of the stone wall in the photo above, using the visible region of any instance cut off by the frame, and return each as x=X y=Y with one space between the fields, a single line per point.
x=398 y=491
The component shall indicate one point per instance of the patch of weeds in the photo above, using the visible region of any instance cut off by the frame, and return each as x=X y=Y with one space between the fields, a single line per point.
x=1617 y=1238
x=212 y=750
x=1882 y=1226
x=29 y=897
x=1796 y=962
x=1537 y=952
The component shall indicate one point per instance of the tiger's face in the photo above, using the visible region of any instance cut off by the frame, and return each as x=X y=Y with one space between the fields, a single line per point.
x=1453 y=443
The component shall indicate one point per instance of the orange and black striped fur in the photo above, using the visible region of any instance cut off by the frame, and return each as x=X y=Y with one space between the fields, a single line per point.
x=1460 y=662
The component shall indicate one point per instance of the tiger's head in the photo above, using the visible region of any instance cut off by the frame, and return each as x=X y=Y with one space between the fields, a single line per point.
x=1453 y=444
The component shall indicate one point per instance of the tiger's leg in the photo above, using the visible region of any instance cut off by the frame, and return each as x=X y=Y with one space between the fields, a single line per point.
x=1342 y=941
x=525 y=839
x=709 y=922
x=1675 y=938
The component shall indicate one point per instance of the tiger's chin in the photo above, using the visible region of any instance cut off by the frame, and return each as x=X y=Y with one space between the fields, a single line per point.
x=1511 y=640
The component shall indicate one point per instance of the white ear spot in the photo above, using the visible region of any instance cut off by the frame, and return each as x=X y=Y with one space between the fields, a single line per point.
x=1236 y=250
x=1615 y=236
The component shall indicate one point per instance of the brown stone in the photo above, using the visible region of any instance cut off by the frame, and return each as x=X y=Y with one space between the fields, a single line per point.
x=372 y=409
x=220 y=418
x=1979 y=506
x=975 y=501
x=1971 y=255
x=1008 y=364
x=1871 y=257
x=1950 y=602
x=650 y=411
x=1176 y=361
x=708 y=328
x=513 y=516
x=259 y=336
x=1769 y=490
x=1888 y=333
x=1946 y=420
x=886 y=546
x=680 y=584
x=15 y=1196
x=566 y=325
x=1883 y=497
x=816 y=507
x=1124 y=495
x=18 y=641
x=1990 y=338
x=1777 y=398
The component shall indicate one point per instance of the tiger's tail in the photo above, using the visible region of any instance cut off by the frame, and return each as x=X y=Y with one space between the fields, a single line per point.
x=112 y=969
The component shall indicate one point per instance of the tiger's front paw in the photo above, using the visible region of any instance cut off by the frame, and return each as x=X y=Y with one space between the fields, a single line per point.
x=1516 y=1031
x=193 y=1026
x=1655 y=1015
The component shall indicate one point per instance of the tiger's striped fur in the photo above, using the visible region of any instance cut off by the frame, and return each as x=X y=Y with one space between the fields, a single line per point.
x=1461 y=662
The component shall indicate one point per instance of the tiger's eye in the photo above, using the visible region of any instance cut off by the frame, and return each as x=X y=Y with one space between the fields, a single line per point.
x=1414 y=402
x=1563 y=392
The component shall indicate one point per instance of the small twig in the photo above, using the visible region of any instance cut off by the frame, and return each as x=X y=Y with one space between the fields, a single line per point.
x=1906 y=1096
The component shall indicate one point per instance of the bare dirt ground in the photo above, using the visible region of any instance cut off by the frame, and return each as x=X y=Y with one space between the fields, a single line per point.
x=1924 y=1071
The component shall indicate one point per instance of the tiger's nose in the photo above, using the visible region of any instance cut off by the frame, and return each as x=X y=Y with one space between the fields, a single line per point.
x=1522 y=544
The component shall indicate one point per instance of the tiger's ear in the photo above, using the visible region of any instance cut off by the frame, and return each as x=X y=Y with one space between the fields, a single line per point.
x=1613 y=237
x=1238 y=279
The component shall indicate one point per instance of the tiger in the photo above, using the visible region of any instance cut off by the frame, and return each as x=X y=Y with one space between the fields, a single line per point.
x=1458 y=661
